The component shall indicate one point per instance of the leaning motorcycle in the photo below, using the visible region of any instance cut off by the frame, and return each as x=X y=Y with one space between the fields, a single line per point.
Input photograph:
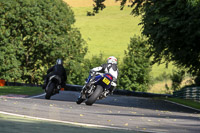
x=96 y=87
x=53 y=86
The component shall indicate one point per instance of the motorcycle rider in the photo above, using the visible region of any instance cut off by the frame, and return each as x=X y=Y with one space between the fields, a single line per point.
x=109 y=67
x=57 y=69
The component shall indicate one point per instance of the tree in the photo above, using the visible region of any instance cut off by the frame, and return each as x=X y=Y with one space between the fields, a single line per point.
x=134 y=73
x=172 y=28
x=9 y=69
x=39 y=32
x=10 y=65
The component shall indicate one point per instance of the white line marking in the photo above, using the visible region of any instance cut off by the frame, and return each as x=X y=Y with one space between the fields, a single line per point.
x=182 y=105
x=38 y=95
x=66 y=122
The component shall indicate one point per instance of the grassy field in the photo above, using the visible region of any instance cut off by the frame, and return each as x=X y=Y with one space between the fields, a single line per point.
x=108 y=32
x=89 y=3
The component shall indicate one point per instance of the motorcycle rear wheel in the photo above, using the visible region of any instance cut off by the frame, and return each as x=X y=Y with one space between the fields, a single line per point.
x=95 y=95
x=49 y=91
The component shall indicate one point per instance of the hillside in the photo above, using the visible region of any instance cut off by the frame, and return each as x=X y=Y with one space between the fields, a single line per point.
x=108 y=32
x=89 y=3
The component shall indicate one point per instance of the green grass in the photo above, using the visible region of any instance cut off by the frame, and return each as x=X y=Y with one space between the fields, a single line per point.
x=190 y=103
x=20 y=90
x=108 y=32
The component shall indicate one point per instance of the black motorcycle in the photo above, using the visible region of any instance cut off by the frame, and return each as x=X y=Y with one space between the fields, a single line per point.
x=53 y=86
x=96 y=87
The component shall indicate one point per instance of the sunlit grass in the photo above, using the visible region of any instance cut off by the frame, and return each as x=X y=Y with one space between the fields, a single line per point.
x=109 y=31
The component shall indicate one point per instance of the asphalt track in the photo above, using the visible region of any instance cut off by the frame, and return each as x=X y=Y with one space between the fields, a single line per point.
x=117 y=114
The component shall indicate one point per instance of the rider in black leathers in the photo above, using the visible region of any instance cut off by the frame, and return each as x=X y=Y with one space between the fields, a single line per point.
x=57 y=69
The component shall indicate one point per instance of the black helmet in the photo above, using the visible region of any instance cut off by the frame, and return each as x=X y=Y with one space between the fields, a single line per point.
x=59 y=62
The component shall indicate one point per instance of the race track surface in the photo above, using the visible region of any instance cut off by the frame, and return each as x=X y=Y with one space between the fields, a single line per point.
x=118 y=112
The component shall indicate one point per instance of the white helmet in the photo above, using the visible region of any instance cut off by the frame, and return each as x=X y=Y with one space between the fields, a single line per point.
x=112 y=60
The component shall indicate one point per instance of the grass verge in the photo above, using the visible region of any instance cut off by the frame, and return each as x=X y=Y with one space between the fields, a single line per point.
x=20 y=90
x=190 y=103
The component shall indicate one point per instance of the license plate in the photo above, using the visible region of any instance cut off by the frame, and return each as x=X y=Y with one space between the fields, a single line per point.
x=106 y=81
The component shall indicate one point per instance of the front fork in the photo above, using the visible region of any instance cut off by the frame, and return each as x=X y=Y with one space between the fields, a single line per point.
x=86 y=91
x=82 y=95
x=88 y=88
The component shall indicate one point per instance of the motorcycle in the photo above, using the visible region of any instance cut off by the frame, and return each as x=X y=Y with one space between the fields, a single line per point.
x=53 y=87
x=96 y=87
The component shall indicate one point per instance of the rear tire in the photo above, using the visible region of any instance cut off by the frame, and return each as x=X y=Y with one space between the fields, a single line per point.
x=49 y=91
x=95 y=95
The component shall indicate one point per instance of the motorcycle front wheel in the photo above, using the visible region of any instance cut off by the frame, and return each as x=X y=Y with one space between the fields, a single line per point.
x=95 y=95
x=80 y=100
x=49 y=91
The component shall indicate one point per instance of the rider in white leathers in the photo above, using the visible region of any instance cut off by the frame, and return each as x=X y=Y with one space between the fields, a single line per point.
x=109 y=67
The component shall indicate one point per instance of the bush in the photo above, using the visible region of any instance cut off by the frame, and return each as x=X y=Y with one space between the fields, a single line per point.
x=134 y=72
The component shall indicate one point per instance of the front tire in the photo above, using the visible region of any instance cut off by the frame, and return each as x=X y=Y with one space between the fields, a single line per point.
x=79 y=100
x=49 y=91
x=95 y=95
